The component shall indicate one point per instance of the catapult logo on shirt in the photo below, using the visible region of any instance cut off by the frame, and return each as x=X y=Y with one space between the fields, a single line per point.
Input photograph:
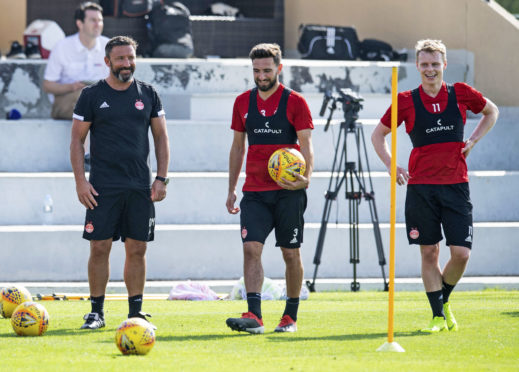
x=267 y=130
x=439 y=128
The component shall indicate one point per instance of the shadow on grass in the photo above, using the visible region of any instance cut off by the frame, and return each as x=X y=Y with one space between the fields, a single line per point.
x=62 y=332
x=275 y=337
x=121 y=355
x=191 y=337
x=514 y=314
x=345 y=337
x=202 y=337
x=77 y=331
x=281 y=337
x=8 y=335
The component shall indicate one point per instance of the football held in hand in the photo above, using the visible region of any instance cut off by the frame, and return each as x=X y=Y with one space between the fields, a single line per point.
x=283 y=163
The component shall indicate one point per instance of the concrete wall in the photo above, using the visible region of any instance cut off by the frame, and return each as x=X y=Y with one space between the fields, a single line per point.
x=12 y=22
x=484 y=28
x=197 y=252
x=187 y=84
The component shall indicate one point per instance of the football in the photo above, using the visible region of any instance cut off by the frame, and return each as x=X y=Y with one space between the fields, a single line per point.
x=135 y=336
x=11 y=297
x=283 y=162
x=30 y=319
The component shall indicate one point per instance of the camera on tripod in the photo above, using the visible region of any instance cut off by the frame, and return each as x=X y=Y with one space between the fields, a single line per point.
x=351 y=105
x=350 y=174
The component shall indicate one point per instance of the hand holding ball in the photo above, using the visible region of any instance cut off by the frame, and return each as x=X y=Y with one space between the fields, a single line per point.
x=284 y=162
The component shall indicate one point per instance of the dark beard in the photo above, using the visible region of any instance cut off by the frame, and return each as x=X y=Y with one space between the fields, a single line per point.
x=266 y=88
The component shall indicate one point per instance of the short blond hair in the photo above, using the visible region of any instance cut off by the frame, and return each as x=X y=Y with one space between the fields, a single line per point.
x=431 y=46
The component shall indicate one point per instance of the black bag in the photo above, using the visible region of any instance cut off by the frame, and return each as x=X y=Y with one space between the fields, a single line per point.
x=377 y=50
x=136 y=8
x=170 y=32
x=110 y=7
x=128 y=8
x=328 y=42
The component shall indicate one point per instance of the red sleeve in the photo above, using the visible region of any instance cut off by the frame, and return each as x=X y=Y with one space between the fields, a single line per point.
x=405 y=110
x=239 y=111
x=470 y=97
x=298 y=112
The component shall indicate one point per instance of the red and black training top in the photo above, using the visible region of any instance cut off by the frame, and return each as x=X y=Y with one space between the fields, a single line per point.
x=270 y=124
x=435 y=125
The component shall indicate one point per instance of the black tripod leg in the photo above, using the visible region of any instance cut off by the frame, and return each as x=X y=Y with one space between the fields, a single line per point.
x=320 y=241
x=378 y=241
x=354 y=241
x=340 y=147
x=372 y=206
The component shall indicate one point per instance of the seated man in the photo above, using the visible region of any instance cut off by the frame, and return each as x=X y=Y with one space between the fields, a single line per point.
x=76 y=61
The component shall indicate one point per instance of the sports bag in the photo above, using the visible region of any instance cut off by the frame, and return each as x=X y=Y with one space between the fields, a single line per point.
x=169 y=29
x=377 y=50
x=328 y=42
x=110 y=7
x=136 y=8
x=128 y=8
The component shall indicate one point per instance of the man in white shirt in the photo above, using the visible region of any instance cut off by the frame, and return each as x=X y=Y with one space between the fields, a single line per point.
x=76 y=61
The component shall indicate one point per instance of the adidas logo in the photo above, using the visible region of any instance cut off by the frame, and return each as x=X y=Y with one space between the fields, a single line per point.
x=294 y=237
x=468 y=239
x=104 y=105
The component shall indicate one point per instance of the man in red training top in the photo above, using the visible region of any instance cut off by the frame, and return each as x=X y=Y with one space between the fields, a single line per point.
x=271 y=117
x=438 y=189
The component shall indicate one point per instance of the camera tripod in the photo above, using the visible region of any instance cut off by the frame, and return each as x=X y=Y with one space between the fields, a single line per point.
x=353 y=177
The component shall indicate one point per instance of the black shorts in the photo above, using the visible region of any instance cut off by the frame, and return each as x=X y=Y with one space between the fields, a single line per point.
x=121 y=214
x=281 y=210
x=428 y=208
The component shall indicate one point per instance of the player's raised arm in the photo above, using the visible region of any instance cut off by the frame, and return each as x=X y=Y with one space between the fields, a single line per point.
x=490 y=114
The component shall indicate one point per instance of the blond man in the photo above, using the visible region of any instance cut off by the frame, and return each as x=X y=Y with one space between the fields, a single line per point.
x=437 y=181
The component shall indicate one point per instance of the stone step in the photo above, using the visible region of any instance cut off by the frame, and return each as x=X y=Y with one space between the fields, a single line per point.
x=32 y=145
x=58 y=253
x=199 y=198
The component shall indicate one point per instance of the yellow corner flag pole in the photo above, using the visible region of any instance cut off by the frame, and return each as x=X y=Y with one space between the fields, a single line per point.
x=391 y=345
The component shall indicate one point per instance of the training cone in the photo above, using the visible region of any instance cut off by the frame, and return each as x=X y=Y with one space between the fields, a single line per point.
x=391 y=346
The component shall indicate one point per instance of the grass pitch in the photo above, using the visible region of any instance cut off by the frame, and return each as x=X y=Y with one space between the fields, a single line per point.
x=337 y=332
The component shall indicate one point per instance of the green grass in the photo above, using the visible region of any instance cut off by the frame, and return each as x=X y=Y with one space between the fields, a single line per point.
x=337 y=332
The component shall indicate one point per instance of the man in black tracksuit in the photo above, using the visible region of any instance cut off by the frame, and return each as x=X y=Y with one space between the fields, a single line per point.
x=119 y=111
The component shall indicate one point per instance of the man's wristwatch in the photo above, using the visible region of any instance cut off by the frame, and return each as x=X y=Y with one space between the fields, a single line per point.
x=163 y=179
